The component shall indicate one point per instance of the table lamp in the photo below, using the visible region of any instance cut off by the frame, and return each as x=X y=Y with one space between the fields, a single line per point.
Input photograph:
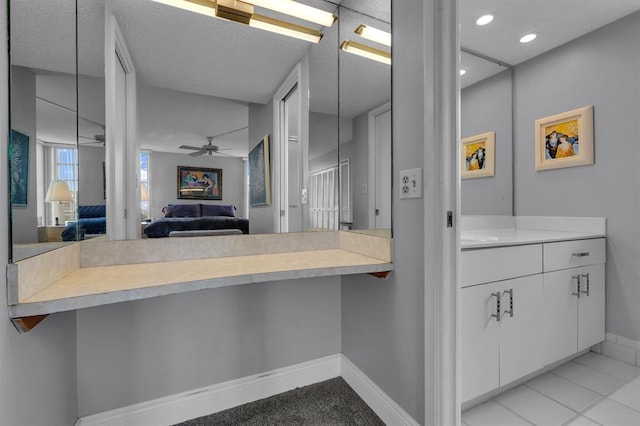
x=57 y=194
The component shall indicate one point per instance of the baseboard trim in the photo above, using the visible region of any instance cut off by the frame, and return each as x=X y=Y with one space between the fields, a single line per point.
x=385 y=407
x=212 y=399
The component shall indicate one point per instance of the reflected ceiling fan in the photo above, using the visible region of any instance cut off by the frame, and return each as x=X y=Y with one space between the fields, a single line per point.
x=209 y=148
x=96 y=139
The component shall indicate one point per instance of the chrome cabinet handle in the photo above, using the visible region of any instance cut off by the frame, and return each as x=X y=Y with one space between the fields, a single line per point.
x=497 y=314
x=587 y=277
x=581 y=254
x=510 y=311
x=577 y=278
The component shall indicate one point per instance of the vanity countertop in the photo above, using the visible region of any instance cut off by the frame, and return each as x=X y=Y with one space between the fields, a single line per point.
x=499 y=231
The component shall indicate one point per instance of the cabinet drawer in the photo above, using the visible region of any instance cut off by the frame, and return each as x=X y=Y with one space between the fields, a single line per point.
x=571 y=254
x=496 y=264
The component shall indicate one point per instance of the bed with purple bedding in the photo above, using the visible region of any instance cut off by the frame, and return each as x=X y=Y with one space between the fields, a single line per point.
x=195 y=217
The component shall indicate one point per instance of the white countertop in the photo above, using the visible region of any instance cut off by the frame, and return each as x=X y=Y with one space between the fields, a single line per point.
x=515 y=236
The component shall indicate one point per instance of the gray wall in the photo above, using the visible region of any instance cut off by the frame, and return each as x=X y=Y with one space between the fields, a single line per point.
x=38 y=369
x=90 y=176
x=260 y=124
x=383 y=320
x=163 y=181
x=136 y=351
x=600 y=69
x=485 y=107
x=23 y=120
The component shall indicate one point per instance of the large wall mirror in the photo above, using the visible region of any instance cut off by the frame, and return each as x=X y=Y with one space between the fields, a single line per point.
x=167 y=106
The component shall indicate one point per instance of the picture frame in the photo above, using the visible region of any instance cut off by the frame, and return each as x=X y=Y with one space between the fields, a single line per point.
x=478 y=155
x=19 y=168
x=199 y=183
x=565 y=139
x=259 y=174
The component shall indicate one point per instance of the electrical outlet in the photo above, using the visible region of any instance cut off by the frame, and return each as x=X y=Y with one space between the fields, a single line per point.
x=411 y=183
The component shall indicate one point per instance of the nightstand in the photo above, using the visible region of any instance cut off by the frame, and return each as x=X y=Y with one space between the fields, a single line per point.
x=47 y=234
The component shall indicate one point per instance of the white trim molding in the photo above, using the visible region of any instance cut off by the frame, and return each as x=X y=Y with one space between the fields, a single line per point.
x=212 y=399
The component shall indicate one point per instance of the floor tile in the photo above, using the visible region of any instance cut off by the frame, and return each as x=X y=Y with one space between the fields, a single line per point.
x=565 y=392
x=611 y=413
x=492 y=414
x=582 y=421
x=589 y=378
x=610 y=366
x=628 y=395
x=535 y=407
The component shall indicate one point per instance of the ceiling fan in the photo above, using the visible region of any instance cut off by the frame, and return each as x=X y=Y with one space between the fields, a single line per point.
x=96 y=139
x=209 y=148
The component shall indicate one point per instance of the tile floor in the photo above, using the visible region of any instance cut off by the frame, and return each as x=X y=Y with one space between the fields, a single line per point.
x=590 y=390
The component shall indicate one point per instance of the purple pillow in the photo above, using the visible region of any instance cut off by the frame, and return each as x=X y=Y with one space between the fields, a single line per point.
x=182 y=210
x=217 y=210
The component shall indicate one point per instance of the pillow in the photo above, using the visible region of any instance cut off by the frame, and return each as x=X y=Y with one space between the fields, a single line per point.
x=92 y=211
x=217 y=210
x=182 y=210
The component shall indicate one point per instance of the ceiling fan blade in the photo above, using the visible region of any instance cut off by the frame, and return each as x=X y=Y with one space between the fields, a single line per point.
x=224 y=149
x=197 y=153
x=190 y=147
x=222 y=153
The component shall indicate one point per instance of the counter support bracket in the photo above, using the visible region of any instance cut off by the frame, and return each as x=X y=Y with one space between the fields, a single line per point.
x=25 y=324
x=384 y=274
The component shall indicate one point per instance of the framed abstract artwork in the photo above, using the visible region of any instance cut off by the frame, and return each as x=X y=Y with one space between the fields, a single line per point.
x=19 y=168
x=478 y=155
x=564 y=140
x=199 y=183
x=259 y=174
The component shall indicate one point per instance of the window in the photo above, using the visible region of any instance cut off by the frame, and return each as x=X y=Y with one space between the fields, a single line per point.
x=144 y=184
x=66 y=169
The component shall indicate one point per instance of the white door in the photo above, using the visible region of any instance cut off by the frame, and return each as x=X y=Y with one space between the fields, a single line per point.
x=380 y=167
x=520 y=348
x=292 y=161
x=479 y=353
x=558 y=314
x=591 y=306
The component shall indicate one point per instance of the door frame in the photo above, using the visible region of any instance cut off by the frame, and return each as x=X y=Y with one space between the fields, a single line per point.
x=122 y=192
x=371 y=186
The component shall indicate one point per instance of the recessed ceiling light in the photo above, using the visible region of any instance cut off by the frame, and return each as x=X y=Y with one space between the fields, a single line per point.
x=527 y=38
x=463 y=72
x=484 y=19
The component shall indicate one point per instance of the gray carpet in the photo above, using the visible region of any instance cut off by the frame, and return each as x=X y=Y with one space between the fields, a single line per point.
x=329 y=403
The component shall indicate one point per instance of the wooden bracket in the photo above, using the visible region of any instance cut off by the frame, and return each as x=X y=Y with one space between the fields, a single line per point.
x=25 y=324
x=384 y=274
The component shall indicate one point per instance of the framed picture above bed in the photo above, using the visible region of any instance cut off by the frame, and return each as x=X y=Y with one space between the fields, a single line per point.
x=259 y=175
x=199 y=183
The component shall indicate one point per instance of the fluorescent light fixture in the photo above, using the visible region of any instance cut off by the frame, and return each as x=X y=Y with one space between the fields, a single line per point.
x=528 y=38
x=374 y=34
x=298 y=10
x=242 y=12
x=484 y=20
x=462 y=72
x=366 y=51
x=204 y=7
x=285 y=28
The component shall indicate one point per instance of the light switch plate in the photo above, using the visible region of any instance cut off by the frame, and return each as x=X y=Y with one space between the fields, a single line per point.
x=411 y=183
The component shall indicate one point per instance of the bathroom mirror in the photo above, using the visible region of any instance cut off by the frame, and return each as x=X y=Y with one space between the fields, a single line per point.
x=486 y=107
x=365 y=113
x=44 y=124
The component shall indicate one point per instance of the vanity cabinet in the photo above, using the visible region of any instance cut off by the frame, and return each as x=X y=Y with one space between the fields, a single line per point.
x=574 y=297
x=527 y=306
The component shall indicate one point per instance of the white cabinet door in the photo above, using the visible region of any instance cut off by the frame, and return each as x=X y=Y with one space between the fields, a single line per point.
x=591 y=306
x=559 y=313
x=479 y=340
x=520 y=348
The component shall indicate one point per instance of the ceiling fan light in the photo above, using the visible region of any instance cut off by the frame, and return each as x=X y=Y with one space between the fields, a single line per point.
x=366 y=51
x=298 y=10
x=462 y=72
x=374 y=34
x=285 y=28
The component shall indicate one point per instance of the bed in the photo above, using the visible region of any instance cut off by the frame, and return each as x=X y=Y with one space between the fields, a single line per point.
x=195 y=217
x=92 y=220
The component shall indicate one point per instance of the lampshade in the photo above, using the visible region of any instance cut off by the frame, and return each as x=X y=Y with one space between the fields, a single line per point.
x=58 y=191
x=144 y=192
